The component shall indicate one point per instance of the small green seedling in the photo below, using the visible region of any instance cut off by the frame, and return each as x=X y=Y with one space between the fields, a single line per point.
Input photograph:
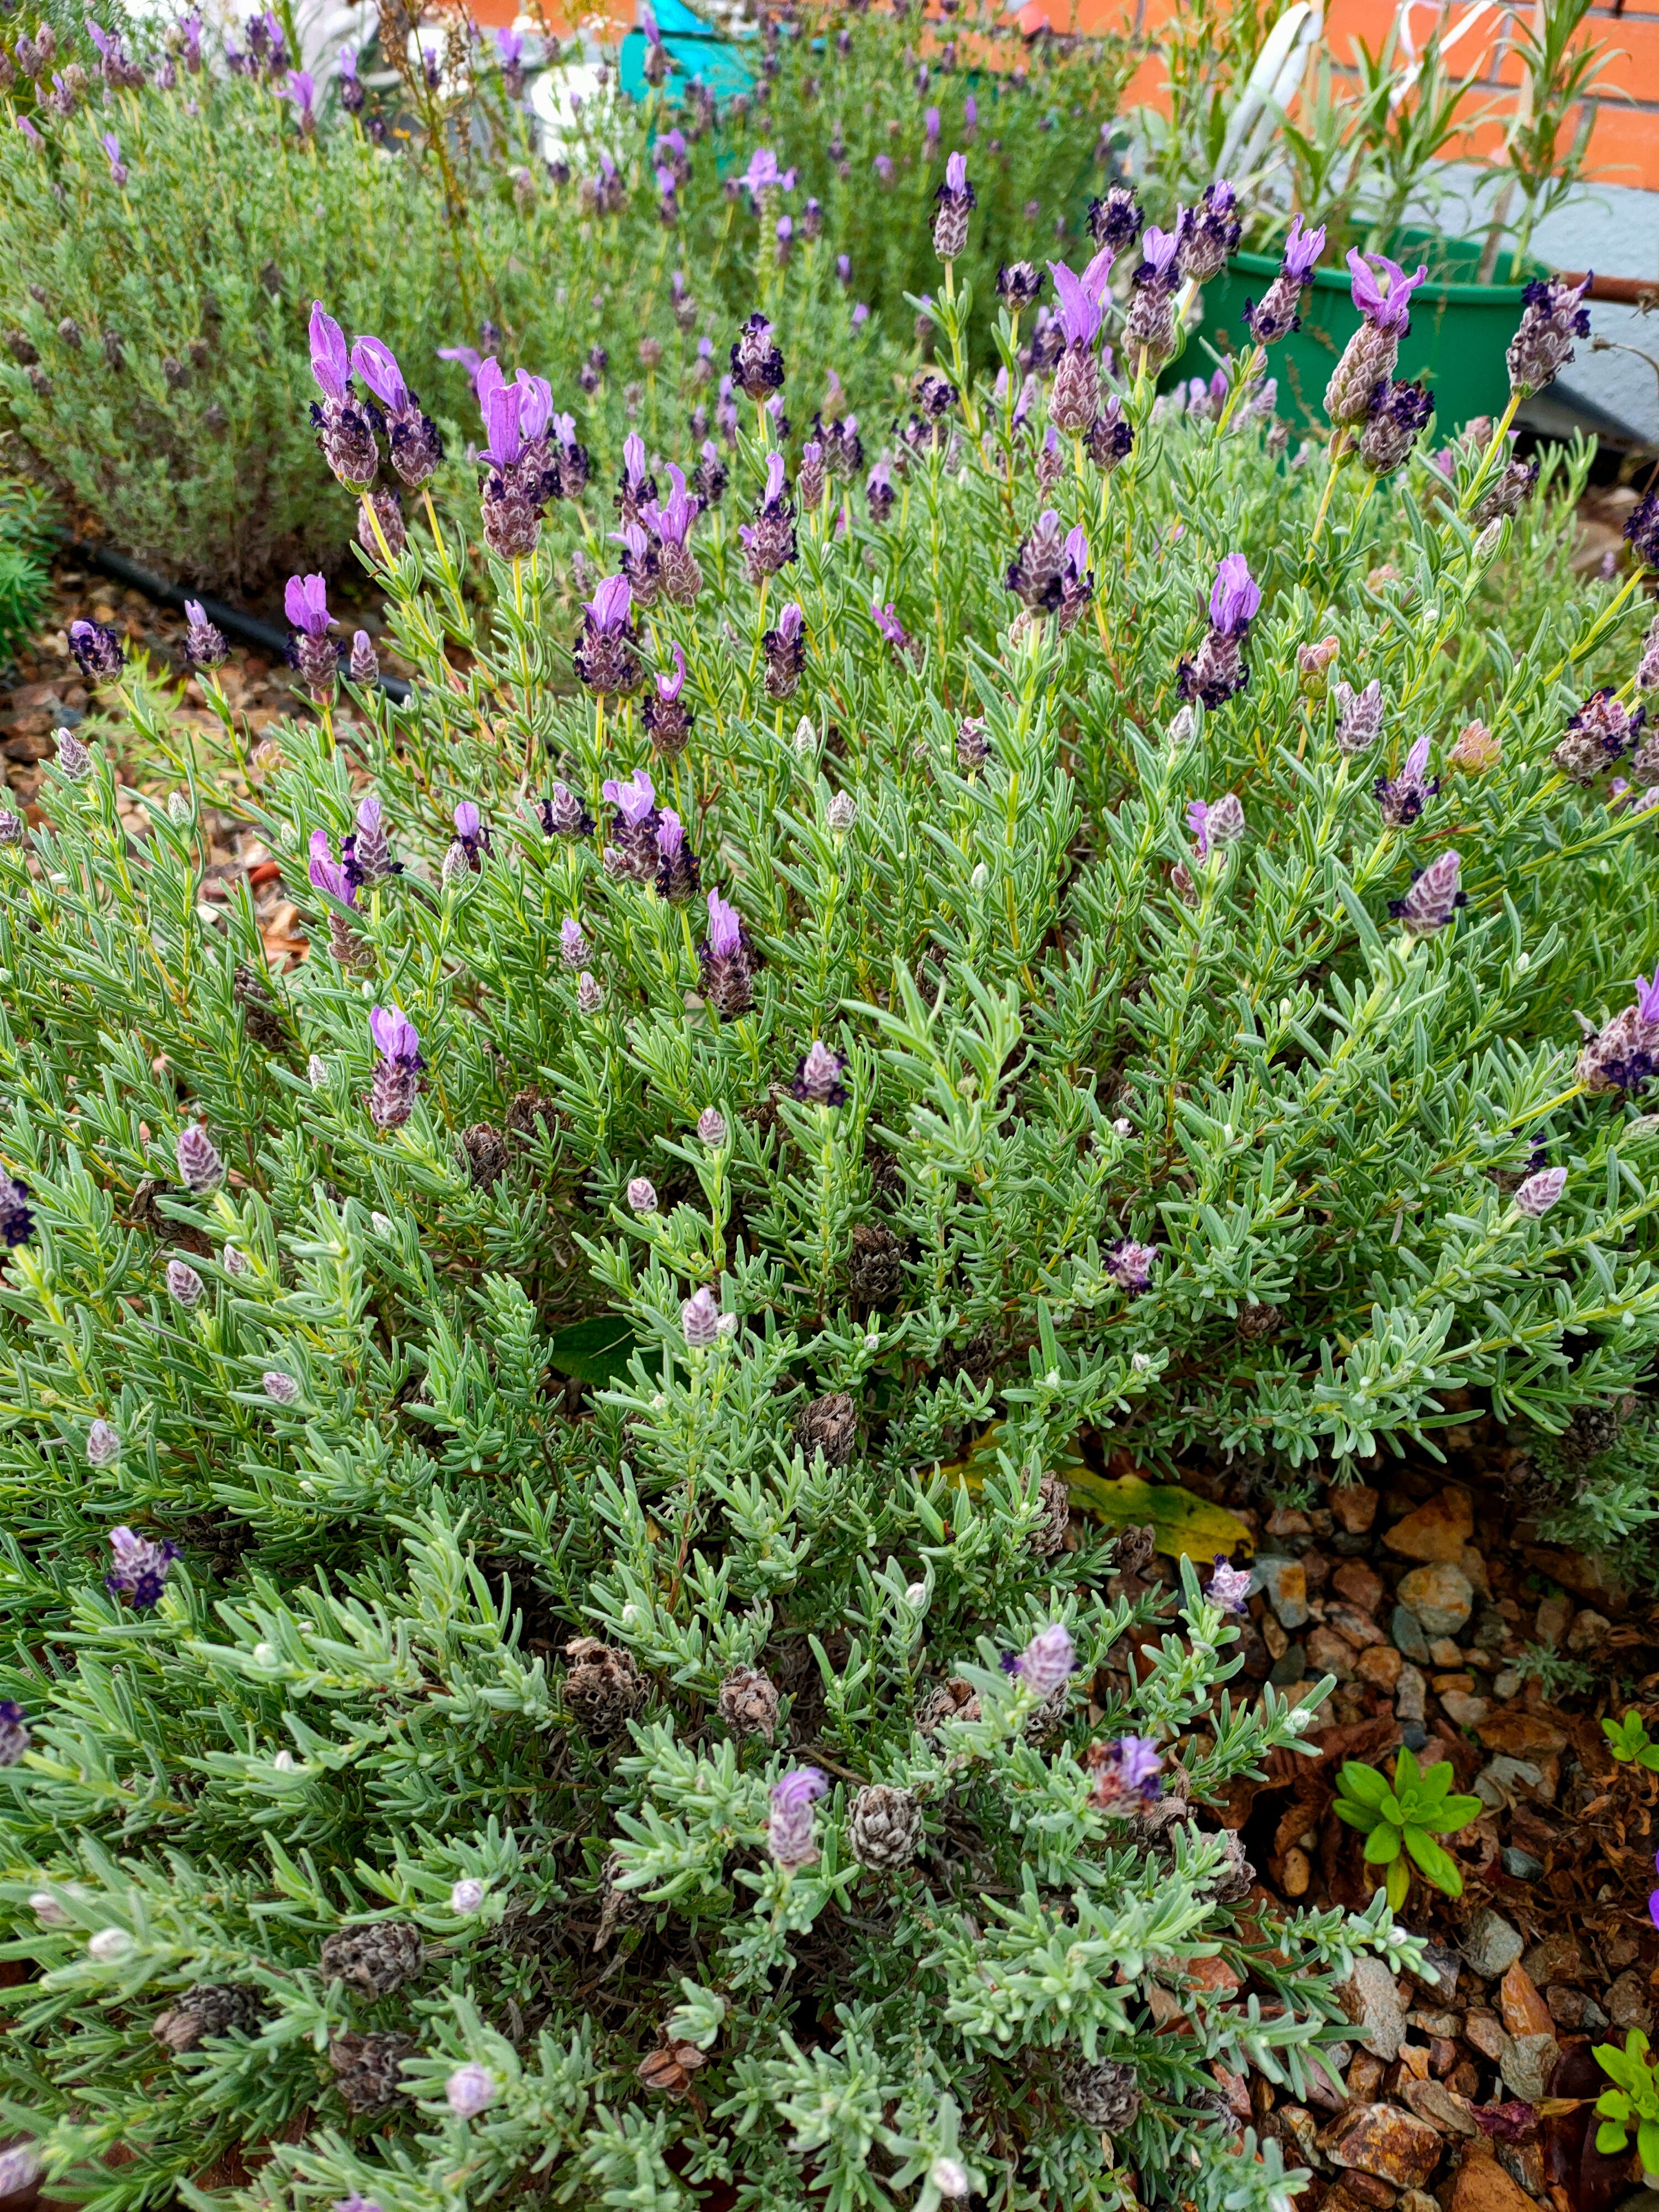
x=1402 y=1821
x=1633 y=2101
x=1629 y=1740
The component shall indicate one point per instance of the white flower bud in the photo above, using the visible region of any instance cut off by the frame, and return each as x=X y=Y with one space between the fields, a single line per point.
x=806 y=738
x=470 y=2089
x=285 y=1763
x=236 y=1262
x=281 y=1389
x=948 y=2175
x=179 y=809
x=381 y=1223
x=264 y=1655
x=916 y=1596
x=842 y=811
x=1140 y=1361
x=110 y=1944
x=103 y=1444
x=641 y=1195
x=317 y=1072
x=467 y=1895
x=47 y=1910
x=980 y=876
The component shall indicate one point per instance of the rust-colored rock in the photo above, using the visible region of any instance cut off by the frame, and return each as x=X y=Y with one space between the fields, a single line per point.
x=1482 y=2185
x=1523 y=2009
x=1353 y=1507
x=1379 y=1666
x=1356 y=1583
x=1519 y=1733
x=1354 y=1626
x=1382 y=2140
x=1433 y=2102
x=1437 y=1532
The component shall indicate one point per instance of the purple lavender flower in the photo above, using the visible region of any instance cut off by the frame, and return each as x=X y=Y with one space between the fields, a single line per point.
x=641 y=1195
x=711 y=1127
x=573 y=947
x=1403 y=798
x=887 y=622
x=1228 y=1587
x=1624 y=1054
x=204 y=641
x=1130 y=1265
x=1398 y=415
x=1048 y=1661
x=756 y=362
x=812 y=481
x=878 y=492
x=1149 y=338
x=120 y=74
x=1128 y=1768
x=1642 y=529
x=103 y=1444
x=667 y=716
x=1280 y=312
x=1602 y=729
x=633 y=850
x=1036 y=573
x=14 y=1732
x=785 y=648
x=700 y=1321
x=365 y=663
x=17 y=1215
x=509 y=52
x=396 y=1073
x=671 y=523
x=1373 y=350
x=470 y=835
x=637 y=487
x=415 y=447
x=1540 y=1192
x=117 y=174
x=1209 y=232
x=817 y=1076
x=99 y=650
x=606 y=655
x=563 y=814
x=200 y=1168
x=328 y=875
x=1115 y=219
x=640 y=563
x=311 y=650
x=769 y=543
x=352 y=96
x=955 y=200
x=302 y=90
x=344 y=431
x=1019 y=286
x=708 y=479
x=141 y=1565
x=25 y=124
x=1075 y=399
x=1110 y=437
x=789 y=1827
x=1217 y=672
x=1552 y=314
x=677 y=864
x=727 y=966
x=1433 y=898
x=1359 y=716
x=471 y=2089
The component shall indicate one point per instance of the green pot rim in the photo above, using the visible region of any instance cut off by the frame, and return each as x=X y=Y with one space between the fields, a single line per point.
x=1451 y=294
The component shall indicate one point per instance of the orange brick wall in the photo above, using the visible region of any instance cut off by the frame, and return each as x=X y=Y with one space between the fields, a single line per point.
x=1624 y=147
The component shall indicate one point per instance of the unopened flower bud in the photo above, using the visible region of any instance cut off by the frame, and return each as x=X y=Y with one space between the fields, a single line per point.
x=589 y=997
x=184 y=1283
x=641 y=1195
x=842 y=811
x=711 y=1127
x=200 y=1168
x=467 y=1894
x=103 y=1444
x=470 y=2089
x=110 y=1944
x=281 y=1389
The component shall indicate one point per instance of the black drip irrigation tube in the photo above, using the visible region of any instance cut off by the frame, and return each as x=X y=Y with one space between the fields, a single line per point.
x=226 y=617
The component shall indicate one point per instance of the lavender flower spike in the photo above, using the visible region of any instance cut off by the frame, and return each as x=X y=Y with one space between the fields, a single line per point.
x=818 y=1077
x=606 y=657
x=700 y=1320
x=726 y=965
x=139 y=1570
x=118 y=174
x=1372 y=351
x=955 y=200
x=1074 y=400
x=1625 y=1054
x=200 y=1167
x=1540 y=1192
x=97 y=649
x=1279 y=311
x=392 y=1097
x=1553 y=314
x=1234 y=597
x=204 y=641
x=305 y=601
x=1228 y=1587
x=1048 y=1661
x=343 y=431
x=1433 y=898
x=789 y=1828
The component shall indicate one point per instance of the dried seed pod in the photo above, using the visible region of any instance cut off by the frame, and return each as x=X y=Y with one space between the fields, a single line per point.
x=829 y=1424
x=749 y=1703
x=951 y=1700
x=618 y=1908
x=1101 y=2093
x=1231 y=1880
x=1256 y=1321
x=1050 y=1535
x=669 y=2068
x=1135 y=1547
x=603 y=1689
x=885 y=1829
x=484 y=1149
x=875 y=1267
x=368 y=2069
x=375 y=1958
x=261 y=1016
x=209 y=2008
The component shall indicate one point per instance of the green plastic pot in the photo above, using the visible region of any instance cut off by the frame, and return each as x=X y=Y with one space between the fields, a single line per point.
x=1459 y=330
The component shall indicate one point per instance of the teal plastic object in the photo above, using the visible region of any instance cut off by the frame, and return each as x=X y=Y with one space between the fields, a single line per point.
x=1459 y=330
x=700 y=52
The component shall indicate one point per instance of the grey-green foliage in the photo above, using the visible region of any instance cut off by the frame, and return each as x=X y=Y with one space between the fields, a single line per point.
x=1061 y=1027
